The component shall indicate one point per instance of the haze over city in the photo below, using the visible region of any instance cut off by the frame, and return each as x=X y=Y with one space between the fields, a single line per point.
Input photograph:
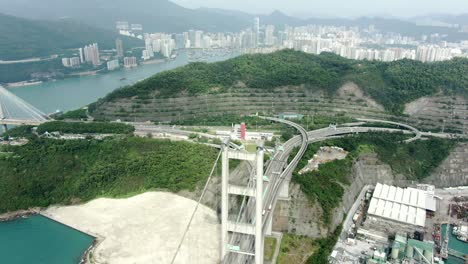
x=337 y=8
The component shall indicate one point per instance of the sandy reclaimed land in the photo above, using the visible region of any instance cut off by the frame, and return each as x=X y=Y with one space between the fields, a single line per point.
x=145 y=228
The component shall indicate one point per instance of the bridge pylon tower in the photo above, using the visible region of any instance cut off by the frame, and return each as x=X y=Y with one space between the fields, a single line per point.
x=253 y=191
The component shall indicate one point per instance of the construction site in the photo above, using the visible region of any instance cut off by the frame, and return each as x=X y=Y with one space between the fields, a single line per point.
x=416 y=224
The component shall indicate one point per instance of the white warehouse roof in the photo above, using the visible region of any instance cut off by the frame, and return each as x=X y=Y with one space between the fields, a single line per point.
x=402 y=205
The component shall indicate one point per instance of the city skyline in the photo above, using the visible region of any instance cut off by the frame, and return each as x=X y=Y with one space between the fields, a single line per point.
x=336 y=8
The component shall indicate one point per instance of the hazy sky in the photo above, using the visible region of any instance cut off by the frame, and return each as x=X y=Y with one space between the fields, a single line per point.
x=397 y=8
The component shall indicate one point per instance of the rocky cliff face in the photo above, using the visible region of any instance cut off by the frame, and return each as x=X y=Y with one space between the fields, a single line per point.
x=453 y=171
x=300 y=216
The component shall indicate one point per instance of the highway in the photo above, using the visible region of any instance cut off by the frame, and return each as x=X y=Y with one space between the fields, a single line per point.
x=279 y=172
x=277 y=177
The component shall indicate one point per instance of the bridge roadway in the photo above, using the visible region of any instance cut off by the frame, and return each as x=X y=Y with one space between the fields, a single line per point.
x=277 y=177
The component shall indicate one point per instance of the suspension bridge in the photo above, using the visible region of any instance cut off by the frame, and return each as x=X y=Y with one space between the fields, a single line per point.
x=16 y=111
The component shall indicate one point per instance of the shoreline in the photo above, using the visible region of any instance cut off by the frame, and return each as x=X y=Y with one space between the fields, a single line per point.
x=154 y=61
x=22 y=84
x=85 y=256
x=11 y=216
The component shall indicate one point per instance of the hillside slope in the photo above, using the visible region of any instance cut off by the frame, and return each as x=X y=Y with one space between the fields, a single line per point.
x=295 y=81
x=22 y=38
x=391 y=84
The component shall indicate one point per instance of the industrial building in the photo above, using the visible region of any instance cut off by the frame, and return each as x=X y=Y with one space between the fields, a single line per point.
x=397 y=225
x=405 y=206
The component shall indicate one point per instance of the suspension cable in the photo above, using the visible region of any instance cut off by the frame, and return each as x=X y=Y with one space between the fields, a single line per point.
x=196 y=208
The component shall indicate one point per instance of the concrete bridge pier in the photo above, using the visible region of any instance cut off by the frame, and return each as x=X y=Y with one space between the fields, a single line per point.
x=5 y=127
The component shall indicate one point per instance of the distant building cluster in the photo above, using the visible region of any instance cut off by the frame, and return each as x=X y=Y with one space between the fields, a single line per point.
x=350 y=42
x=158 y=43
x=367 y=44
x=130 y=30
x=88 y=54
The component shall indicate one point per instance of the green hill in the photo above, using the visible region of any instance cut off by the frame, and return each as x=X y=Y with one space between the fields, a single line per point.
x=22 y=38
x=391 y=84
x=47 y=171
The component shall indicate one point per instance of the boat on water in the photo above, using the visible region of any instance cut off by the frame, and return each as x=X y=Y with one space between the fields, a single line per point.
x=461 y=233
x=123 y=79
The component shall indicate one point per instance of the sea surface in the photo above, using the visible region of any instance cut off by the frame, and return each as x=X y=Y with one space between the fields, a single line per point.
x=75 y=92
x=455 y=244
x=40 y=240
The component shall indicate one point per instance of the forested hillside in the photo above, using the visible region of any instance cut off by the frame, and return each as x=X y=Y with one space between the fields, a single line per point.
x=391 y=84
x=47 y=171
x=23 y=38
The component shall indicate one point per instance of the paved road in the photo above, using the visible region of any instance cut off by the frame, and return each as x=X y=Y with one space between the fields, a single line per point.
x=415 y=130
x=280 y=173
x=278 y=177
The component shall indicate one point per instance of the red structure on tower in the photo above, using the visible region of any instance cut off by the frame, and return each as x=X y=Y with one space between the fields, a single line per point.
x=243 y=131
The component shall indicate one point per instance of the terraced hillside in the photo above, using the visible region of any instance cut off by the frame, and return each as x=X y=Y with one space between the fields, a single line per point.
x=295 y=81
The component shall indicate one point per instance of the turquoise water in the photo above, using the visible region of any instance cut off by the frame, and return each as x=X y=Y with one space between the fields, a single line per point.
x=73 y=93
x=455 y=244
x=39 y=240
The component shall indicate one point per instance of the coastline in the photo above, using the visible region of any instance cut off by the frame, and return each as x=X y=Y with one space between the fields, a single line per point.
x=10 y=216
x=77 y=74
x=22 y=84
x=86 y=256
x=154 y=61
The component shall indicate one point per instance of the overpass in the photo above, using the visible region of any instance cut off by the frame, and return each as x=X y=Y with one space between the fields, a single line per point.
x=245 y=244
x=16 y=111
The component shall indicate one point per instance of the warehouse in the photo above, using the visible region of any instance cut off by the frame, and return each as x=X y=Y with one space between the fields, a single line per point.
x=406 y=206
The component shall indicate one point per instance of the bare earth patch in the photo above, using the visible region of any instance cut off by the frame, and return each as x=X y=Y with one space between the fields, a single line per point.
x=417 y=105
x=324 y=155
x=351 y=89
x=145 y=228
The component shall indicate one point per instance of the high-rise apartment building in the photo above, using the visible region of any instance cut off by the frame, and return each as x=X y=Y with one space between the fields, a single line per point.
x=71 y=62
x=119 y=47
x=130 y=62
x=82 y=59
x=198 y=39
x=270 y=35
x=256 y=31
x=91 y=54
x=191 y=37
x=112 y=65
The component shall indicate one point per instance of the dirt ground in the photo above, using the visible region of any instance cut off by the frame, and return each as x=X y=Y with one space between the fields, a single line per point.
x=146 y=228
x=324 y=155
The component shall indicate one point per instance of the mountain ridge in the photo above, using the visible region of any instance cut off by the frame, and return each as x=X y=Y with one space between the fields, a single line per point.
x=166 y=16
x=24 y=38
